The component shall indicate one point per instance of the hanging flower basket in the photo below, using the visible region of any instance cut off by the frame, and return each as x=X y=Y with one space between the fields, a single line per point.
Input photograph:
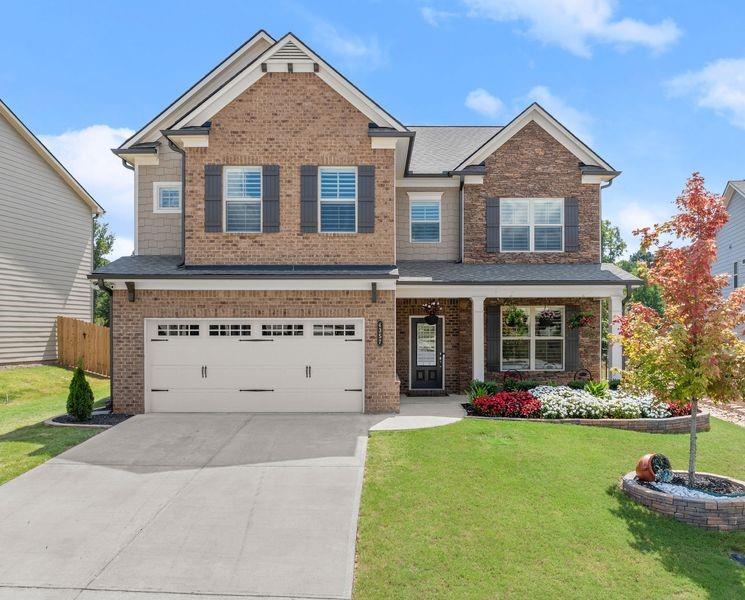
x=515 y=317
x=431 y=308
x=582 y=319
x=547 y=317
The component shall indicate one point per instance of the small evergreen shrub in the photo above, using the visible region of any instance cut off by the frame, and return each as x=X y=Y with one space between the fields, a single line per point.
x=577 y=384
x=614 y=383
x=526 y=384
x=80 y=399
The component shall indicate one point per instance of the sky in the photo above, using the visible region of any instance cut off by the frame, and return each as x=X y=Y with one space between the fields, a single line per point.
x=655 y=88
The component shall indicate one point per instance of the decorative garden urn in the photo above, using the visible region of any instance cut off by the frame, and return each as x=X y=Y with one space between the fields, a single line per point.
x=644 y=471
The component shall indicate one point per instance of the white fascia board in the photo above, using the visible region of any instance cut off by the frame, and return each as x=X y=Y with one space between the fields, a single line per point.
x=190 y=141
x=434 y=194
x=435 y=290
x=137 y=159
x=537 y=114
x=473 y=180
x=151 y=130
x=596 y=179
x=428 y=182
x=253 y=73
x=255 y=284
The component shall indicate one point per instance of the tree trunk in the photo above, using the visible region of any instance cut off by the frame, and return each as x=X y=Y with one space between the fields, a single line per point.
x=692 y=451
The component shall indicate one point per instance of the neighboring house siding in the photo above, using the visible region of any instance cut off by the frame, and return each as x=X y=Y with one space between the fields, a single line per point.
x=449 y=246
x=45 y=252
x=731 y=243
x=290 y=120
x=157 y=233
x=532 y=164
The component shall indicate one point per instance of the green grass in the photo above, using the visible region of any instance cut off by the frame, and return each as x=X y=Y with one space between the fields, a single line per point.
x=28 y=396
x=486 y=509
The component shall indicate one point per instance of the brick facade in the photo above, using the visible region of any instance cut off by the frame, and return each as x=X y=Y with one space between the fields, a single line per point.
x=532 y=164
x=381 y=386
x=456 y=340
x=290 y=119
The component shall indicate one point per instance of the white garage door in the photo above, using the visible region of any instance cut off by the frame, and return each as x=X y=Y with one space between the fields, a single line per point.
x=253 y=365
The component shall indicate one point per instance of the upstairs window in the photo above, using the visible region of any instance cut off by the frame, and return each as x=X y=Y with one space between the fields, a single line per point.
x=242 y=199
x=531 y=224
x=167 y=197
x=338 y=199
x=424 y=217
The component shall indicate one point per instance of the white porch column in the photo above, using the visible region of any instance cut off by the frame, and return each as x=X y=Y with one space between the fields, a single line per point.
x=614 y=348
x=477 y=335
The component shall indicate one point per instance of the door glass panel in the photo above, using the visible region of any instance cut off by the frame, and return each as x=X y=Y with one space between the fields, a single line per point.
x=426 y=341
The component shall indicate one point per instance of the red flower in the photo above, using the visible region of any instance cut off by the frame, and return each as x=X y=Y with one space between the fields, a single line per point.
x=676 y=410
x=508 y=404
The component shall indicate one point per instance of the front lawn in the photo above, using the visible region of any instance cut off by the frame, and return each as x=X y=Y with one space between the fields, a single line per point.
x=484 y=509
x=28 y=396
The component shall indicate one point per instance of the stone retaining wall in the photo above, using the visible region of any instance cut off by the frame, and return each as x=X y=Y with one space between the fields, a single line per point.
x=669 y=425
x=723 y=514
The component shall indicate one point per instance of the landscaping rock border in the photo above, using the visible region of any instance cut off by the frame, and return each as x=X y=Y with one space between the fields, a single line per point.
x=667 y=425
x=723 y=514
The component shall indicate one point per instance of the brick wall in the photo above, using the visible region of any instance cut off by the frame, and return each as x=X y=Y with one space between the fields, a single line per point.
x=290 y=119
x=381 y=387
x=532 y=164
x=456 y=340
x=157 y=233
x=589 y=338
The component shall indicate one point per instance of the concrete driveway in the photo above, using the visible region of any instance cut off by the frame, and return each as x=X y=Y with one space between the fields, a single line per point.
x=215 y=505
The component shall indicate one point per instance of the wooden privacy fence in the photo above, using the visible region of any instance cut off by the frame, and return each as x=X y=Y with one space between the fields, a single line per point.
x=78 y=340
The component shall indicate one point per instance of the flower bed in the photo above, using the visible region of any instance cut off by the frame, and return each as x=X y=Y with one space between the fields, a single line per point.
x=562 y=404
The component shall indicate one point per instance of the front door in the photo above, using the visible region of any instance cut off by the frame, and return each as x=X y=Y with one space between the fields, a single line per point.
x=426 y=354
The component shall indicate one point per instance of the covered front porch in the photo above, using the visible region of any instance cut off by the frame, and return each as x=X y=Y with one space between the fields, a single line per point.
x=545 y=331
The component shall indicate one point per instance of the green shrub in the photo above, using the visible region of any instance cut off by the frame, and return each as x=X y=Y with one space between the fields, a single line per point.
x=478 y=388
x=577 y=384
x=599 y=389
x=80 y=399
x=526 y=384
x=614 y=383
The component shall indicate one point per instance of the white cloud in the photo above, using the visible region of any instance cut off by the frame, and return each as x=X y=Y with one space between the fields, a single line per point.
x=720 y=85
x=576 y=121
x=633 y=215
x=86 y=153
x=435 y=17
x=352 y=49
x=123 y=246
x=484 y=103
x=577 y=25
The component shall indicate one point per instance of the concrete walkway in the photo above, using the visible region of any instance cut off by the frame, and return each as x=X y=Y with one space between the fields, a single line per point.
x=420 y=413
x=210 y=506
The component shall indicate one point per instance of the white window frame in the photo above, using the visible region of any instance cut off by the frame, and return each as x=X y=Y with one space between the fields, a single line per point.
x=344 y=200
x=157 y=186
x=531 y=224
x=532 y=337
x=425 y=198
x=225 y=200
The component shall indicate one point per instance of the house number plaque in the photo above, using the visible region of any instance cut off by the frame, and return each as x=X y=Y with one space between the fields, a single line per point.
x=379 y=333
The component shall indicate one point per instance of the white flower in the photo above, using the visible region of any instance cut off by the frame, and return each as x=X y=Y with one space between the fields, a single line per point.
x=563 y=402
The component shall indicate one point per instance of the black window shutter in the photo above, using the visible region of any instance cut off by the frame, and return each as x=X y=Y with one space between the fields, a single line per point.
x=212 y=198
x=571 y=340
x=309 y=198
x=270 y=198
x=571 y=224
x=492 y=224
x=493 y=338
x=366 y=199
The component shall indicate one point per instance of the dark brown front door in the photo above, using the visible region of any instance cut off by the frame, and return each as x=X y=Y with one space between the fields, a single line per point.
x=426 y=354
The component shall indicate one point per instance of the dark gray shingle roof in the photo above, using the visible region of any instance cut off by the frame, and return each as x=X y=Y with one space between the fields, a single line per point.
x=167 y=267
x=428 y=272
x=439 y=148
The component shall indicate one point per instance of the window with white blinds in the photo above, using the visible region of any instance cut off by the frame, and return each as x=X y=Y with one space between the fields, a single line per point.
x=338 y=199
x=242 y=199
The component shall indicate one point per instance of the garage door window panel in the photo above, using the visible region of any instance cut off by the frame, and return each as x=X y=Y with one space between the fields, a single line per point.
x=281 y=329
x=178 y=329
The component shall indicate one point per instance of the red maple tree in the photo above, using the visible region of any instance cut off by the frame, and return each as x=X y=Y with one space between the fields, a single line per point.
x=691 y=350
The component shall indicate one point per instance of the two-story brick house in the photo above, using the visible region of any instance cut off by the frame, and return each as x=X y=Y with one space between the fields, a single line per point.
x=289 y=231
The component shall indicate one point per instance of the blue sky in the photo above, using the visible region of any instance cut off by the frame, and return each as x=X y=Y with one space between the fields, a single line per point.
x=656 y=88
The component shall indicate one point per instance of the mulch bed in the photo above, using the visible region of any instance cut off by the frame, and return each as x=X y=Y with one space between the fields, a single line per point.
x=712 y=485
x=96 y=419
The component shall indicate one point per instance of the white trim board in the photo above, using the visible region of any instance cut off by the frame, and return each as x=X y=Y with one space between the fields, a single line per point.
x=254 y=284
x=434 y=290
